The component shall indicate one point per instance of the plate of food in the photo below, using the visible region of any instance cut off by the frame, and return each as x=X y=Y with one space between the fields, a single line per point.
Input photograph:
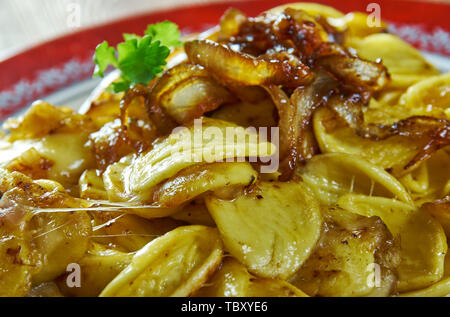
x=259 y=149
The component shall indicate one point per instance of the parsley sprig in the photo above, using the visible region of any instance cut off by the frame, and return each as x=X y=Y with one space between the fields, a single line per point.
x=139 y=59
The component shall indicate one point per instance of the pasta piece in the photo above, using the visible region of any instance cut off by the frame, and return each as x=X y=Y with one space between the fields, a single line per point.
x=18 y=259
x=61 y=157
x=423 y=241
x=440 y=210
x=61 y=238
x=313 y=9
x=233 y=280
x=91 y=185
x=271 y=229
x=32 y=164
x=98 y=267
x=57 y=135
x=49 y=289
x=127 y=232
x=430 y=180
x=390 y=154
x=356 y=25
x=135 y=180
x=43 y=119
x=198 y=179
x=431 y=94
x=195 y=213
x=405 y=64
x=428 y=97
x=37 y=245
x=176 y=264
x=105 y=108
x=355 y=256
x=248 y=114
x=439 y=289
x=266 y=287
x=332 y=175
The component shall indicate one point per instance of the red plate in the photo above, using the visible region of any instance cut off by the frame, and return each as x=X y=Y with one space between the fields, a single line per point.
x=50 y=66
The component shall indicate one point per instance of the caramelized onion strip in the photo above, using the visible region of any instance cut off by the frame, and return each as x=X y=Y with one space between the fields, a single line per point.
x=188 y=91
x=435 y=131
x=297 y=142
x=355 y=73
x=232 y=67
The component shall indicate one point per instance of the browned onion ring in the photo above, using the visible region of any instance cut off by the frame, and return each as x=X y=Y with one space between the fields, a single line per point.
x=436 y=133
x=194 y=89
x=232 y=67
x=297 y=142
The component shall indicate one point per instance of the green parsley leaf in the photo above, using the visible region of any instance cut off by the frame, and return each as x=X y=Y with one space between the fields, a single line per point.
x=121 y=84
x=166 y=32
x=139 y=59
x=130 y=36
x=105 y=55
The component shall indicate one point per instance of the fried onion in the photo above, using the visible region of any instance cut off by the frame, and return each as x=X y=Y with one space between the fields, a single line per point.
x=435 y=131
x=297 y=143
x=229 y=66
x=188 y=91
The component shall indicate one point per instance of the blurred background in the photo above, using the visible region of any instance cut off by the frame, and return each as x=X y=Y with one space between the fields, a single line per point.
x=24 y=23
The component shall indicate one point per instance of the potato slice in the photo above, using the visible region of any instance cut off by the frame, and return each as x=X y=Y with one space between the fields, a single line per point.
x=405 y=63
x=98 y=267
x=351 y=251
x=332 y=175
x=392 y=153
x=233 y=280
x=198 y=179
x=214 y=140
x=176 y=264
x=422 y=239
x=271 y=229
